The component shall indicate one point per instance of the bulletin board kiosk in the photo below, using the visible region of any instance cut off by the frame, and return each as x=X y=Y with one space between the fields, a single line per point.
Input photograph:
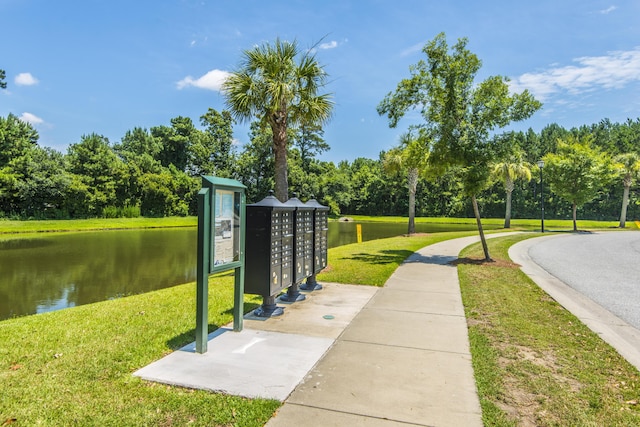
x=221 y=241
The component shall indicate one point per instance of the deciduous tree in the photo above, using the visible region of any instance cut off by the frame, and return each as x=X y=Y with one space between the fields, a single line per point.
x=577 y=171
x=458 y=114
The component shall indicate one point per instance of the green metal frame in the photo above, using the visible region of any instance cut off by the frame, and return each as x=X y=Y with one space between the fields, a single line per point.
x=206 y=249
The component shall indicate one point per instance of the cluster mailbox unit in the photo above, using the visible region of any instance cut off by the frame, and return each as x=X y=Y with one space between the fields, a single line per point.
x=269 y=252
x=320 y=243
x=302 y=247
x=285 y=244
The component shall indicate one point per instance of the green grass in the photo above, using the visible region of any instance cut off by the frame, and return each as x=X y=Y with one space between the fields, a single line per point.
x=10 y=226
x=74 y=366
x=372 y=262
x=516 y=224
x=535 y=363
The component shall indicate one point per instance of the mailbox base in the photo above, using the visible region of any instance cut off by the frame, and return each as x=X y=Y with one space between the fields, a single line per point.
x=292 y=295
x=268 y=308
x=311 y=284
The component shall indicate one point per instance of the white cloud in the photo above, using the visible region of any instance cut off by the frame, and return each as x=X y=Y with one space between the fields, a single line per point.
x=608 y=10
x=413 y=49
x=330 y=45
x=612 y=71
x=25 y=79
x=31 y=118
x=213 y=80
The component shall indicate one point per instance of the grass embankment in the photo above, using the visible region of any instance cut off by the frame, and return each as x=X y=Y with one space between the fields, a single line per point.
x=10 y=226
x=55 y=225
x=516 y=224
x=74 y=366
x=535 y=363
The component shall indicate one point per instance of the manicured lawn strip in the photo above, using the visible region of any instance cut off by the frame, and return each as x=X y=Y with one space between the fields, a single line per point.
x=535 y=363
x=8 y=226
x=516 y=224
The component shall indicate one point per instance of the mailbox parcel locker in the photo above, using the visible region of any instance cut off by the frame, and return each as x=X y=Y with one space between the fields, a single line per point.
x=320 y=235
x=303 y=243
x=268 y=247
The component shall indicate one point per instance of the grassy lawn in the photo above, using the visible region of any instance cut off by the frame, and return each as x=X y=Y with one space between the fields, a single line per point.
x=9 y=226
x=535 y=363
x=516 y=224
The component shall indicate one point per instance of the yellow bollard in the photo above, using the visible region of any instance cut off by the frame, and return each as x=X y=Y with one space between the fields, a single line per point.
x=359 y=232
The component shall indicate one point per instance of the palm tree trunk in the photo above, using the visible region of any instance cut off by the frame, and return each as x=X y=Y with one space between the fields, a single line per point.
x=485 y=248
x=507 y=214
x=575 y=224
x=280 y=153
x=413 y=186
x=508 y=185
x=625 y=203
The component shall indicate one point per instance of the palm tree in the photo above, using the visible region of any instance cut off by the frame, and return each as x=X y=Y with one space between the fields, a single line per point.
x=629 y=166
x=411 y=156
x=509 y=171
x=280 y=92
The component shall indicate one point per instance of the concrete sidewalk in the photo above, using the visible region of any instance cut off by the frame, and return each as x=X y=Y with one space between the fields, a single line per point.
x=351 y=355
x=403 y=360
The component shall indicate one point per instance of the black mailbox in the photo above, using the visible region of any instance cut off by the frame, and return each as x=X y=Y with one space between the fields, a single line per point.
x=302 y=247
x=268 y=252
x=320 y=235
x=320 y=243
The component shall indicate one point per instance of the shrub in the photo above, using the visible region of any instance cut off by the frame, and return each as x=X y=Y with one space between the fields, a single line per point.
x=110 y=212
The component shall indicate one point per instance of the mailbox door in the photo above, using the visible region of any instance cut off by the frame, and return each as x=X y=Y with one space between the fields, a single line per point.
x=257 y=251
x=321 y=242
x=287 y=249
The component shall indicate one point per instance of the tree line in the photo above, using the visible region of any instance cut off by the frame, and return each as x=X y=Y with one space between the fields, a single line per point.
x=156 y=172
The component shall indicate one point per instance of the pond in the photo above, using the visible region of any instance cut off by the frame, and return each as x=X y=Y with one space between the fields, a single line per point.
x=45 y=272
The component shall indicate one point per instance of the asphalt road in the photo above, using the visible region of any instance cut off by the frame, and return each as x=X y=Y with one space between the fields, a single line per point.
x=602 y=266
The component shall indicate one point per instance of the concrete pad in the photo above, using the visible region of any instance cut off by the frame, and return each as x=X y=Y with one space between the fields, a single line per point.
x=392 y=298
x=297 y=416
x=324 y=313
x=402 y=384
x=412 y=330
x=270 y=356
x=248 y=363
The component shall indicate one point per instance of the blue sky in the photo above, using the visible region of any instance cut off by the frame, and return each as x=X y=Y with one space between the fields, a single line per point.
x=77 y=67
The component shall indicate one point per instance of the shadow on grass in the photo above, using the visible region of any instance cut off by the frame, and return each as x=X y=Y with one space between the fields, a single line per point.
x=484 y=262
x=382 y=257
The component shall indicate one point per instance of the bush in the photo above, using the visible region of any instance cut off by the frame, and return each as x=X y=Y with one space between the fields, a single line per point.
x=131 y=211
x=110 y=212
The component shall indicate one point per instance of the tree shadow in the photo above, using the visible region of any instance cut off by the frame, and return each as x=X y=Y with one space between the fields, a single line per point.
x=484 y=262
x=430 y=259
x=382 y=257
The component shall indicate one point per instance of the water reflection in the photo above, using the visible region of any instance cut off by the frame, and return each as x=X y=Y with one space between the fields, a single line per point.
x=81 y=268
x=56 y=271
